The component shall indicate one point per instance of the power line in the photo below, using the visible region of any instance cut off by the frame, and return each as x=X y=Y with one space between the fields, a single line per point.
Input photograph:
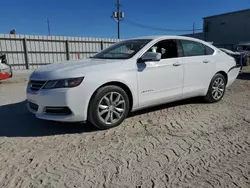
x=119 y=17
x=157 y=28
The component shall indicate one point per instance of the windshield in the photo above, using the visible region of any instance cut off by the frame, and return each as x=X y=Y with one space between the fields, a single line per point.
x=122 y=50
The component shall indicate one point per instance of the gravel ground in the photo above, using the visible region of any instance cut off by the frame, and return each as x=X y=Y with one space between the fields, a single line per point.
x=183 y=144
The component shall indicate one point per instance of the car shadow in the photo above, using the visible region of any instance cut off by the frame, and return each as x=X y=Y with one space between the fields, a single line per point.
x=196 y=100
x=244 y=76
x=16 y=121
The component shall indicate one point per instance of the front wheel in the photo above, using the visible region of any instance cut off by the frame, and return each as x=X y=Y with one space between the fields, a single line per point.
x=216 y=89
x=109 y=107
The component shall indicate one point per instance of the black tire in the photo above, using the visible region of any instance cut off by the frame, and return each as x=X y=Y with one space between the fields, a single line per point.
x=209 y=96
x=93 y=111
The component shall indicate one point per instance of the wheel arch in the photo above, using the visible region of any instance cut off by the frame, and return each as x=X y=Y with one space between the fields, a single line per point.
x=119 y=84
x=208 y=96
x=219 y=72
x=224 y=74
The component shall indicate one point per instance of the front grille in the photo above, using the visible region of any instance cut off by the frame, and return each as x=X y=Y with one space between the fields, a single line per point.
x=36 y=85
x=57 y=111
x=33 y=106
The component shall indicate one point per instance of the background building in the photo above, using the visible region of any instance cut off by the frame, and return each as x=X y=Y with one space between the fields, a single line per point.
x=226 y=30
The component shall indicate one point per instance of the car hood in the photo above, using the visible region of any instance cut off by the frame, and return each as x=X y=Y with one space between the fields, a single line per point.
x=73 y=68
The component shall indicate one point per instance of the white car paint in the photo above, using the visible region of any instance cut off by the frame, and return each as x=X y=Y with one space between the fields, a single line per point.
x=156 y=83
x=159 y=81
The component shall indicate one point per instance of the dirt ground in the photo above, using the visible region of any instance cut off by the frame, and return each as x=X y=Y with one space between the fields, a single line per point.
x=183 y=144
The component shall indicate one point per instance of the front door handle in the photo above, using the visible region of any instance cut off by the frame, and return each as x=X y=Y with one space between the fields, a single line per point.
x=205 y=61
x=176 y=64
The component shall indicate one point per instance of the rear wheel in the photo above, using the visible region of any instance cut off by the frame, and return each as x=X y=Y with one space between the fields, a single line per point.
x=216 y=89
x=109 y=107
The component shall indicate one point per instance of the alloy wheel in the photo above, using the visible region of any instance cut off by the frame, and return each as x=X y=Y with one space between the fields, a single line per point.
x=218 y=88
x=111 y=107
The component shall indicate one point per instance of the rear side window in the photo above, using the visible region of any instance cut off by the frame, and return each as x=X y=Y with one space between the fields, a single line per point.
x=191 y=48
x=209 y=51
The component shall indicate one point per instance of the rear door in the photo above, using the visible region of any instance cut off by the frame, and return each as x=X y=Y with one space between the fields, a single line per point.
x=199 y=67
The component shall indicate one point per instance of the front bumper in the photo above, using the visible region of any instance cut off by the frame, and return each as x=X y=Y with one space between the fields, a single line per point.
x=57 y=99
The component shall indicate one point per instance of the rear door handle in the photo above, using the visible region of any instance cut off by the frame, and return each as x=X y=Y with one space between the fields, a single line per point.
x=176 y=64
x=205 y=61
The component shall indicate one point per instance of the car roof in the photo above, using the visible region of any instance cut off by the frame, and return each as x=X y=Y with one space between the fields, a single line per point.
x=162 y=37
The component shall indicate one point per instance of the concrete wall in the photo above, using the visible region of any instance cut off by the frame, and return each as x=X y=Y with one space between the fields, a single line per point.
x=43 y=50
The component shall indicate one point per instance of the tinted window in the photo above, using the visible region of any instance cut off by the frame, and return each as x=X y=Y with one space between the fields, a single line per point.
x=191 y=48
x=209 y=51
x=167 y=48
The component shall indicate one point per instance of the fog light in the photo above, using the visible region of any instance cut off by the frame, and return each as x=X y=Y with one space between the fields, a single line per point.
x=57 y=110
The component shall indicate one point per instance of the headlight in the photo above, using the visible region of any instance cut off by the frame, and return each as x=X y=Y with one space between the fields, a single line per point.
x=63 y=83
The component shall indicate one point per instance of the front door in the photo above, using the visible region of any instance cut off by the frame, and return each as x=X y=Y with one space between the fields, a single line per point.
x=161 y=81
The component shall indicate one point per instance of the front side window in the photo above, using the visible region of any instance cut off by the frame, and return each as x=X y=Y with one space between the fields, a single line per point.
x=167 y=48
x=191 y=48
x=122 y=50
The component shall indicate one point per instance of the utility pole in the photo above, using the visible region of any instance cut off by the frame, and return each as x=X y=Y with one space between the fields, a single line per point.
x=118 y=18
x=48 y=26
x=193 y=27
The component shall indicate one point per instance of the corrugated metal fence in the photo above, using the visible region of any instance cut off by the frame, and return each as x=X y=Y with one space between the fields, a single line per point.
x=32 y=51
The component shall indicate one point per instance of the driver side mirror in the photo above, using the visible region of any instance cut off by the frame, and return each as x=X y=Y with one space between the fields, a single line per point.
x=150 y=56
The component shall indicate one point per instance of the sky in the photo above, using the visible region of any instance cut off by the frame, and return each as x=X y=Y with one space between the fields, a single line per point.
x=92 y=18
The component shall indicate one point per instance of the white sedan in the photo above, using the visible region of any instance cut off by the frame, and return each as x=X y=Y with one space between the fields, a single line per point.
x=128 y=76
